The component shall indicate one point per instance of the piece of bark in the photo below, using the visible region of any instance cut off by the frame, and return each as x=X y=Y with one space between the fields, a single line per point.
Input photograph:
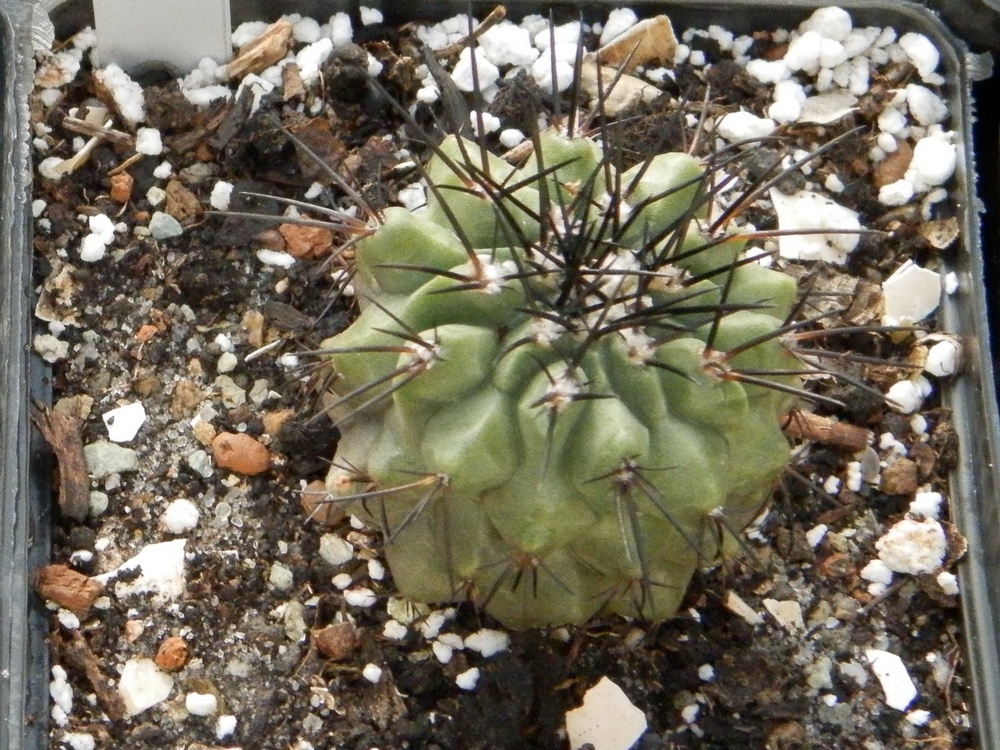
x=652 y=39
x=67 y=588
x=262 y=52
x=77 y=654
x=808 y=426
x=62 y=432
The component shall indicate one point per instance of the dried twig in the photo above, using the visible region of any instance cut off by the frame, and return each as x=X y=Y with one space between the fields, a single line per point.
x=805 y=425
x=495 y=16
x=77 y=653
x=62 y=433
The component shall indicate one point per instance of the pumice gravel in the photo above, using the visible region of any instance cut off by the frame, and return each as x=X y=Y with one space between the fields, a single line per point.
x=210 y=598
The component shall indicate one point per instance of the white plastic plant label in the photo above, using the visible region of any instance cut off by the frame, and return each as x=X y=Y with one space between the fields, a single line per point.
x=176 y=33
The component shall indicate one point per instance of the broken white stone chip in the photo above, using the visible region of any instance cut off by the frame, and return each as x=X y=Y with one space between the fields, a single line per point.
x=891 y=672
x=788 y=613
x=143 y=685
x=161 y=569
x=826 y=108
x=124 y=422
x=910 y=294
x=607 y=719
x=806 y=210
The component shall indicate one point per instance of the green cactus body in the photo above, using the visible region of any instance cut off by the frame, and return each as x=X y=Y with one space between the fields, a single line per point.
x=553 y=401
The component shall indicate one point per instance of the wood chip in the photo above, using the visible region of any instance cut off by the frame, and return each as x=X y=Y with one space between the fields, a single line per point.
x=262 y=52
x=337 y=641
x=68 y=588
x=306 y=243
x=314 y=505
x=291 y=82
x=803 y=425
x=894 y=165
x=899 y=477
x=628 y=91
x=650 y=40
x=940 y=233
x=738 y=607
x=182 y=204
x=62 y=432
x=76 y=652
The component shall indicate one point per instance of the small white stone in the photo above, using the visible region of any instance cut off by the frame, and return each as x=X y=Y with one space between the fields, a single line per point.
x=468 y=679
x=275 y=258
x=607 y=719
x=370 y=16
x=485 y=75
x=360 y=597
x=342 y=580
x=815 y=535
x=227 y=362
x=934 y=161
x=706 y=673
x=877 y=572
x=201 y=704
x=225 y=725
x=951 y=283
x=490 y=122
x=163 y=170
x=488 y=642
x=913 y=546
x=221 y=195
x=740 y=126
x=394 y=630
x=180 y=516
x=948 y=582
x=891 y=673
x=906 y=396
x=148 y=142
x=926 y=504
x=918 y=718
x=92 y=248
x=103 y=227
x=896 y=193
x=943 y=358
x=281 y=577
x=335 y=550
x=67 y=619
x=372 y=673
x=123 y=423
x=376 y=570
x=442 y=651
x=922 y=53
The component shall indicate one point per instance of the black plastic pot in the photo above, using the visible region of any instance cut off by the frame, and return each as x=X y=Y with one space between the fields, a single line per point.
x=24 y=515
x=975 y=488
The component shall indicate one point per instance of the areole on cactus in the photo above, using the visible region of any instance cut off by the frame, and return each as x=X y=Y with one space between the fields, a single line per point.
x=562 y=392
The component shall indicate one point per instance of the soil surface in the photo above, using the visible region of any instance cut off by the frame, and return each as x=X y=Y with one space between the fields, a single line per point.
x=260 y=623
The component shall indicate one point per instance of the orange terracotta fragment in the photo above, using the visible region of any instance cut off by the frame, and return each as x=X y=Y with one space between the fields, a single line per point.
x=240 y=453
x=172 y=654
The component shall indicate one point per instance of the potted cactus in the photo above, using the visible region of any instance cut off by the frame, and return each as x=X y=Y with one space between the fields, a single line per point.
x=551 y=387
